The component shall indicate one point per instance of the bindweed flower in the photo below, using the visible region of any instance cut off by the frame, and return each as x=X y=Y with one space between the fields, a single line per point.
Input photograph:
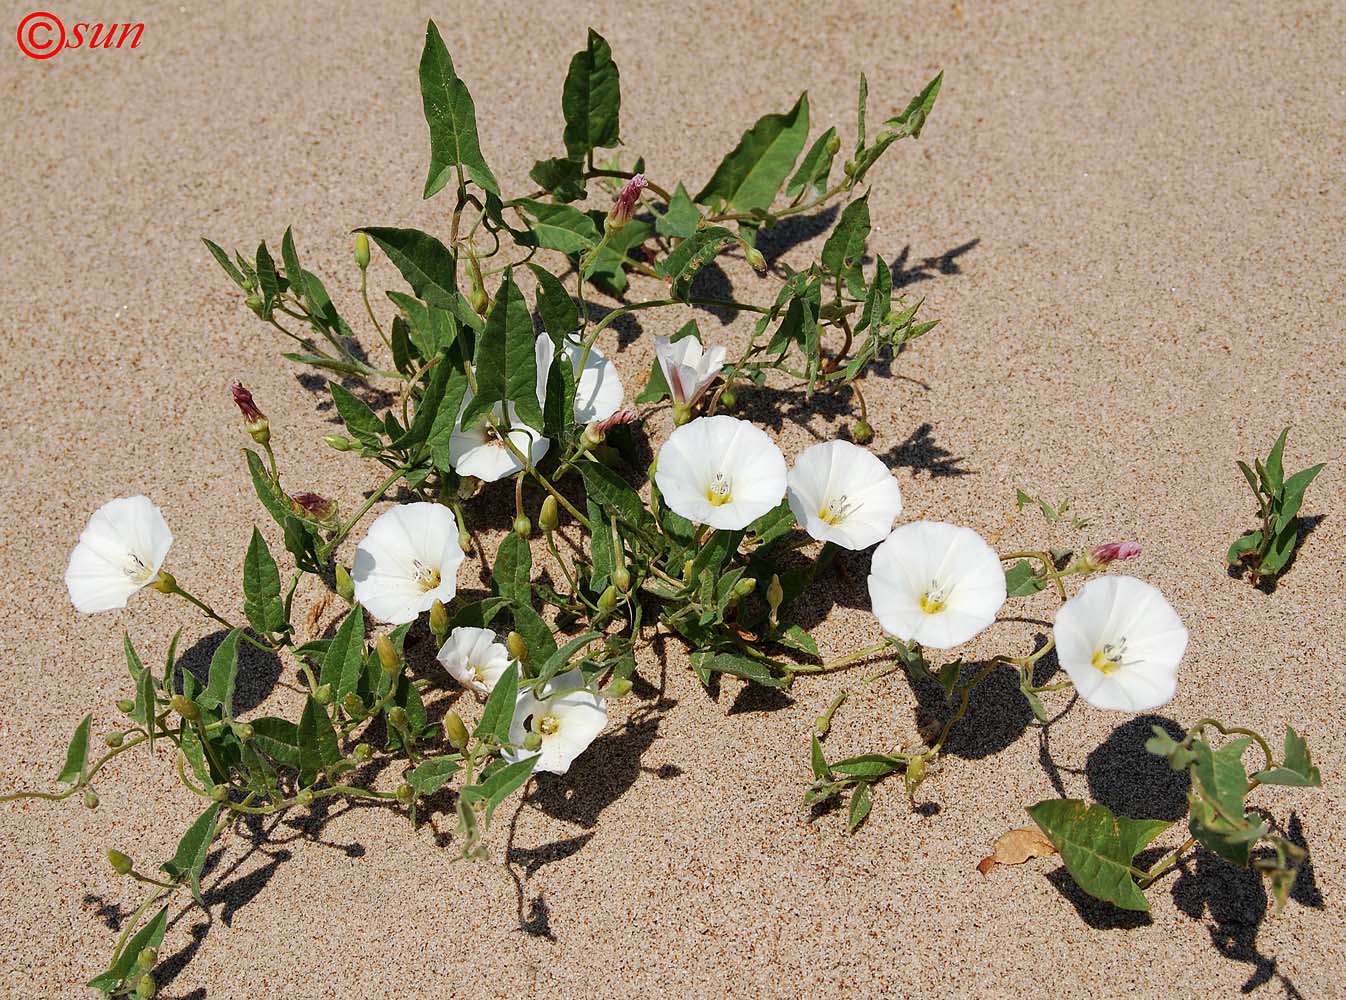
x=567 y=717
x=625 y=205
x=598 y=388
x=936 y=584
x=312 y=505
x=842 y=493
x=253 y=418
x=720 y=471
x=121 y=550
x=407 y=561
x=479 y=451
x=688 y=368
x=1101 y=555
x=597 y=430
x=1120 y=643
x=474 y=658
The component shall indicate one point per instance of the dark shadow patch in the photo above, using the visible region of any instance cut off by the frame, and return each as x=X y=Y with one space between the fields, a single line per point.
x=533 y=858
x=758 y=698
x=1130 y=780
x=599 y=777
x=1096 y=913
x=258 y=671
x=997 y=712
x=109 y=914
x=908 y=272
x=920 y=452
x=794 y=231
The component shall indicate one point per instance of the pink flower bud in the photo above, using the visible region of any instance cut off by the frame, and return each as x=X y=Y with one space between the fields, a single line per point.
x=626 y=416
x=1112 y=551
x=245 y=403
x=625 y=205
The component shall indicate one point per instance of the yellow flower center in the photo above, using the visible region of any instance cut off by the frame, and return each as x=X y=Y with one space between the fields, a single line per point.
x=934 y=599
x=426 y=576
x=548 y=725
x=719 y=492
x=1108 y=657
x=836 y=511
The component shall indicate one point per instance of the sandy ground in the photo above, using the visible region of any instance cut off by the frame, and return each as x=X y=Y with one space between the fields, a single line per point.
x=1131 y=219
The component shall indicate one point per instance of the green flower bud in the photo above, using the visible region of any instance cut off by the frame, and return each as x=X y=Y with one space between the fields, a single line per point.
x=126 y=706
x=254 y=302
x=522 y=526
x=727 y=398
x=362 y=751
x=439 y=620
x=164 y=583
x=755 y=258
x=345 y=586
x=90 y=799
x=304 y=797
x=915 y=775
x=849 y=168
x=687 y=568
x=185 y=707
x=607 y=601
x=339 y=442
x=121 y=863
x=549 y=518
x=244 y=731
x=775 y=593
x=744 y=587
x=397 y=717
x=354 y=705
x=114 y=740
x=480 y=301
x=147 y=959
x=862 y=432
x=834 y=145
x=323 y=695
x=219 y=793
x=533 y=741
x=455 y=730
x=388 y=658
x=405 y=794
x=681 y=414
x=621 y=578
x=145 y=987
x=361 y=250
x=516 y=646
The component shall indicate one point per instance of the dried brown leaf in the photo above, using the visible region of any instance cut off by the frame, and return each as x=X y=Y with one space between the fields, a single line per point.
x=1016 y=847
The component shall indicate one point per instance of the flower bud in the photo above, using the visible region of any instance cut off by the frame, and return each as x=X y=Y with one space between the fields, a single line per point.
x=681 y=414
x=254 y=302
x=164 y=583
x=148 y=958
x=185 y=707
x=361 y=251
x=775 y=593
x=323 y=694
x=625 y=205
x=219 y=793
x=621 y=578
x=744 y=587
x=727 y=398
x=253 y=418
x=1101 y=555
x=362 y=752
x=593 y=434
x=549 y=518
x=354 y=705
x=607 y=601
x=145 y=987
x=532 y=741
x=126 y=706
x=90 y=799
x=121 y=863
x=439 y=620
x=304 y=796
x=244 y=731
x=516 y=646
x=915 y=775
x=862 y=432
x=834 y=145
x=687 y=568
x=397 y=717
x=339 y=442
x=755 y=258
x=480 y=300
x=455 y=731
x=405 y=794
x=849 y=168
x=313 y=506
x=522 y=526
x=114 y=740
x=345 y=586
x=387 y=652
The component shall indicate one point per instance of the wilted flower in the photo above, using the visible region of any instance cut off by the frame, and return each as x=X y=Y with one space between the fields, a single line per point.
x=840 y=492
x=121 y=550
x=936 y=584
x=407 y=561
x=567 y=716
x=598 y=388
x=688 y=368
x=474 y=658
x=312 y=505
x=1101 y=555
x=1120 y=643
x=625 y=204
x=720 y=471
x=253 y=418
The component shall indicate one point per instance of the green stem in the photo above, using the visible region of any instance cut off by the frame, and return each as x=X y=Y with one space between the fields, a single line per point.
x=841 y=662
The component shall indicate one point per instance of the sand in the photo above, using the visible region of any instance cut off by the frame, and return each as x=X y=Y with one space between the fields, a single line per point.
x=1130 y=219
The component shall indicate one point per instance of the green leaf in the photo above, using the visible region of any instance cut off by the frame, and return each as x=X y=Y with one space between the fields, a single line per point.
x=427 y=264
x=1248 y=542
x=431 y=329
x=749 y=177
x=861 y=801
x=452 y=118
x=1297 y=768
x=561 y=177
x=558 y=660
x=513 y=572
x=818 y=761
x=738 y=665
x=612 y=493
x=591 y=99
x=1274 y=470
x=878 y=300
x=278 y=739
x=608 y=268
x=794 y=637
x=908 y=123
x=317 y=742
x=150 y=935
x=773 y=525
x=500 y=784
x=499 y=711
x=506 y=358
x=223 y=260
x=845 y=248
x=1292 y=496
x=268 y=283
x=428 y=406
x=1098 y=847
x=446 y=420
x=362 y=422
x=342 y=663
x=682 y=217
x=190 y=858
x=219 y=690
x=559 y=227
x=810 y=180
x=1220 y=773
x=77 y=754
x=1021 y=580
x=868 y=766
x=432 y=775
x=261 y=587
x=691 y=255
x=560 y=316
x=294 y=274
x=862 y=105
x=1278 y=553
x=536 y=633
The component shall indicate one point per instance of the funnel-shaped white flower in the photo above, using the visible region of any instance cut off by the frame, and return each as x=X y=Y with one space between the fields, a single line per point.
x=1120 y=642
x=936 y=584
x=474 y=658
x=407 y=561
x=480 y=451
x=122 y=549
x=568 y=716
x=841 y=493
x=720 y=471
x=598 y=388
x=688 y=367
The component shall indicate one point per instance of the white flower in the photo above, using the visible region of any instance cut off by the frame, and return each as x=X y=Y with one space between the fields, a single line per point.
x=688 y=368
x=598 y=389
x=936 y=584
x=1119 y=641
x=840 y=492
x=720 y=471
x=479 y=451
x=568 y=717
x=407 y=561
x=474 y=658
x=120 y=550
